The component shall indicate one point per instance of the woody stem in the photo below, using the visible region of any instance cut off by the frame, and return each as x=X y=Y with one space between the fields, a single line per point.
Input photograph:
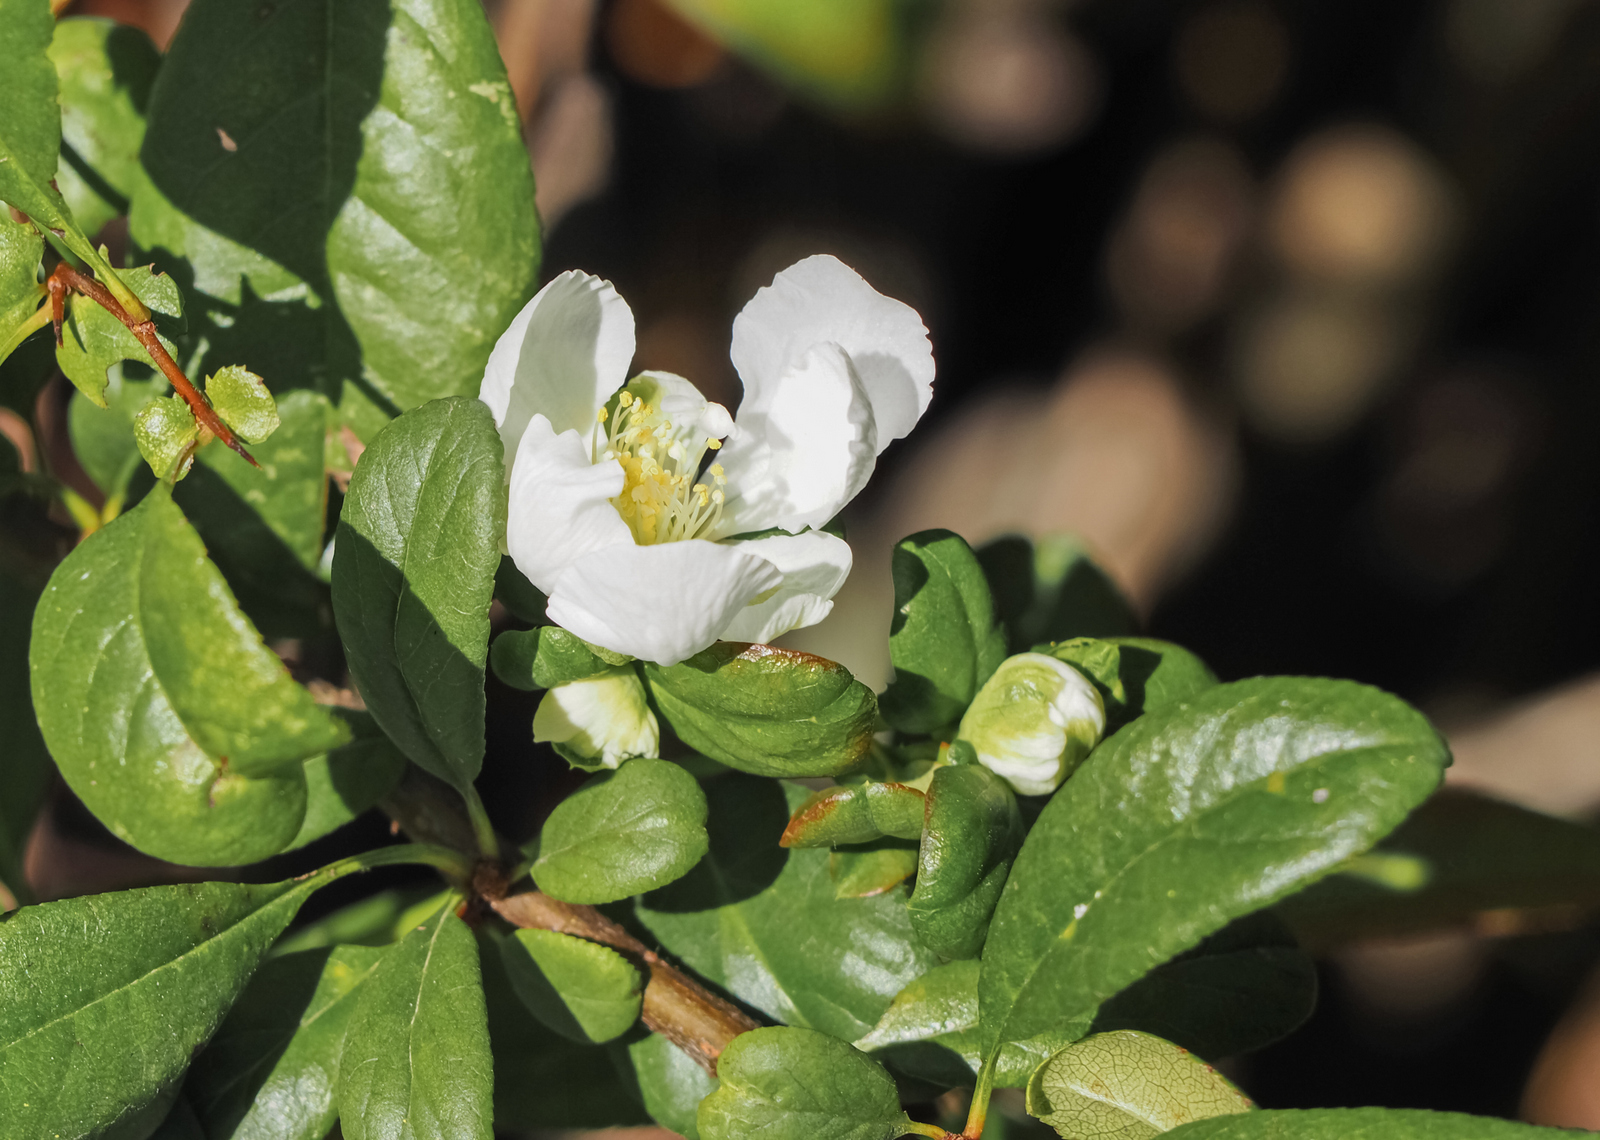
x=65 y=279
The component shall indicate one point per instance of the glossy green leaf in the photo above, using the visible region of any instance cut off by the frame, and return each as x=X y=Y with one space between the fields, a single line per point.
x=242 y=400
x=1242 y=988
x=1128 y=1086
x=944 y=640
x=768 y=711
x=413 y=576
x=354 y=181
x=1460 y=855
x=30 y=134
x=543 y=1080
x=1053 y=591
x=582 y=990
x=416 y=1060
x=1134 y=675
x=797 y=1084
x=521 y=597
x=859 y=872
x=939 y=1011
x=168 y=716
x=857 y=813
x=347 y=782
x=374 y=921
x=622 y=833
x=542 y=658
x=1222 y=805
x=92 y=340
x=764 y=923
x=25 y=767
x=972 y=834
x=20 y=250
x=1361 y=1124
x=181 y=1123
x=84 y=978
x=270 y=1071
x=669 y=1083
x=166 y=432
x=105 y=71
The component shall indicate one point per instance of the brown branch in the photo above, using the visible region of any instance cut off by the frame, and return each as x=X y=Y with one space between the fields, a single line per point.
x=66 y=279
x=675 y=1005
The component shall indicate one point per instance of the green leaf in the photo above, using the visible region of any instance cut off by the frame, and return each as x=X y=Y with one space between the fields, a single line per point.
x=93 y=340
x=345 y=783
x=242 y=400
x=86 y=977
x=525 y=600
x=1053 y=591
x=181 y=1123
x=1460 y=855
x=167 y=715
x=944 y=640
x=857 y=813
x=165 y=431
x=25 y=768
x=1361 y=1124
x=1128 y=1086
x=413 y=576
x=1134 y=675
x=105 y=70
x=30 y=134
x=269 y=1073
x=622 y=833
x=768 y=711
x=20 y=250
x=670 y=1084
x=764 y=923
x=355 y=174
x=416 y=1061
x=1223 y=804
x=584 y=991
x=859 y=872
x=542 y=658
x=542 y=1080
x=941 y=1009
x=797 y=1084
x=1242 y=988
x=972 y=834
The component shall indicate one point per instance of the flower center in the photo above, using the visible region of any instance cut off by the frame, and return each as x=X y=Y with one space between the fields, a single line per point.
x=663 y=498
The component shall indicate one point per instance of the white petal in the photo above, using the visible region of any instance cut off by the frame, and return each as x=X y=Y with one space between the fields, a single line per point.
x=690 y=413
x=823 y=299
x=659 y=603
x=560 y=504
x=802 y=447
x=562 y=357
x=603 y=720
x=814 y=566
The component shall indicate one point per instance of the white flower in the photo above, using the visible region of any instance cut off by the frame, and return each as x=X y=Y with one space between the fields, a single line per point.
x=1033 y=722
x=617 y=514
x=600 y=721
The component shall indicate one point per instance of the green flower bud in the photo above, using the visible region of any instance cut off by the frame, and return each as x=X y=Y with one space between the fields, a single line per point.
x=600 y=721
x=1033 y=722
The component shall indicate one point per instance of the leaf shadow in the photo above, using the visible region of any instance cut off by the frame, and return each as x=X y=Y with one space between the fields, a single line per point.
x=747 y=815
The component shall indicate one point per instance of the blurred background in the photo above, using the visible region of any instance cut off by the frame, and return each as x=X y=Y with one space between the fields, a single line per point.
x=1288 y=309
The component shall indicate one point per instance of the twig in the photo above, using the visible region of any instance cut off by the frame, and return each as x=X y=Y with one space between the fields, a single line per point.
x=675 y=1005
x=65 y=279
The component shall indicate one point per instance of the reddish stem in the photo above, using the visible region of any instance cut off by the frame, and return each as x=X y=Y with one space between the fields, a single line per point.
x=66 y=279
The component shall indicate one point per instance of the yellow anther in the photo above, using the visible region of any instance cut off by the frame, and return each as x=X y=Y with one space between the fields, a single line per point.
x=626 y=399
x=714 y=444
x=602 y=416
x=717 y=472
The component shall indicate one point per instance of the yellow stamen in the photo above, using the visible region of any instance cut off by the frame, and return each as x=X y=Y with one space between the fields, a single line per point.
x=661 y=501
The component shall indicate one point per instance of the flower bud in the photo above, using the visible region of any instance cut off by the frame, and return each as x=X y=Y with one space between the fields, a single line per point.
x=1033 y=722
x=600 y=721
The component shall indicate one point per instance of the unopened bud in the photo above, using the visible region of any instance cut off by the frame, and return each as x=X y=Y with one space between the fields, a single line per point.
x=600 y=721
x=1033 y=722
